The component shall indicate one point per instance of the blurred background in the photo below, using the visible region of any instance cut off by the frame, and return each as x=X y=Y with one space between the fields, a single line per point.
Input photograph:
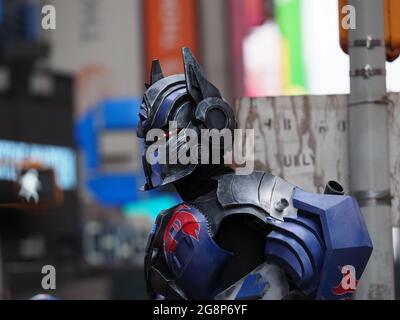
x=70 y=90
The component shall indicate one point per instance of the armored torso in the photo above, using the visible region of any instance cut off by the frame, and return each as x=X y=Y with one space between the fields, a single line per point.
x=256 y=237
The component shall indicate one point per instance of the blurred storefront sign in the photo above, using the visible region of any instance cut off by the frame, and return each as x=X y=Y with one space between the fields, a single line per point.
x=304 y=139
x=112 y=244
x=15 y=155
x=35 y=189
x=169 y=25
x=106 y=135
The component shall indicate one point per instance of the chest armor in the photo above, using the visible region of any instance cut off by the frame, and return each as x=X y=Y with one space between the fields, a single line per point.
x=183 y=235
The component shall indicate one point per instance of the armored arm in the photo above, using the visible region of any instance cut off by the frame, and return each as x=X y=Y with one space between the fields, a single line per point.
x=324 y=247
x=159 y=280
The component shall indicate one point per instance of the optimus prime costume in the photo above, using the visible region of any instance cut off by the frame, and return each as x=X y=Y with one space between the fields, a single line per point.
x=241 y=236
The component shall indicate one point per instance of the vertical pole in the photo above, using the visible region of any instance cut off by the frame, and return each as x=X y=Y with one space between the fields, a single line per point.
x=369 y=146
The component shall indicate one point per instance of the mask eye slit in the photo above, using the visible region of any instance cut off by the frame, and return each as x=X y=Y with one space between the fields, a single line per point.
x=168 y=134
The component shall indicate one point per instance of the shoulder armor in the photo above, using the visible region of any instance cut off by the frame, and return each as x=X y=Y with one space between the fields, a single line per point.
x=348 y=244
x=321 y=244
x=191 y=254
x=268 y=193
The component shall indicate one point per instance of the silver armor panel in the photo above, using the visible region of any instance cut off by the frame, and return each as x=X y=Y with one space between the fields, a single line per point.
x=265 y=191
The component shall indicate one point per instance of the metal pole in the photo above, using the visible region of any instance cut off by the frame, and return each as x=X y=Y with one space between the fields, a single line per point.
x=369 y=147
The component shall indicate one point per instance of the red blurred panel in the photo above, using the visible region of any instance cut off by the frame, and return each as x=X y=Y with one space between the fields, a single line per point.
x=169 y=26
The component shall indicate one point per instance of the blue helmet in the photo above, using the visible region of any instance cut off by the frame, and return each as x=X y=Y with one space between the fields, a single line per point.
x=191 y=102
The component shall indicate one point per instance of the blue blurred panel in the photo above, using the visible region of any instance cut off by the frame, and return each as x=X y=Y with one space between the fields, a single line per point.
x=32 y=20
x=1 y=12
x=151 y=207
x=22 y=20
x=119 y=114
x=86 y=137
x=113 y=189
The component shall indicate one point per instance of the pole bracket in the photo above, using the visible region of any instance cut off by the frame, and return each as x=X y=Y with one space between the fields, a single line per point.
x=368 y=72
x=368 y=43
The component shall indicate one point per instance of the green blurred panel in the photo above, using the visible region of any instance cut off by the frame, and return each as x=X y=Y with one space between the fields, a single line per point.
x=288 y=17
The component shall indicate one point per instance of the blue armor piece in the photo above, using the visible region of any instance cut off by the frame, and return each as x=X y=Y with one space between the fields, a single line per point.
x=346 y=238
x=267 y=282
x=186 y=239
x=296 y=247
x=253 y=287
